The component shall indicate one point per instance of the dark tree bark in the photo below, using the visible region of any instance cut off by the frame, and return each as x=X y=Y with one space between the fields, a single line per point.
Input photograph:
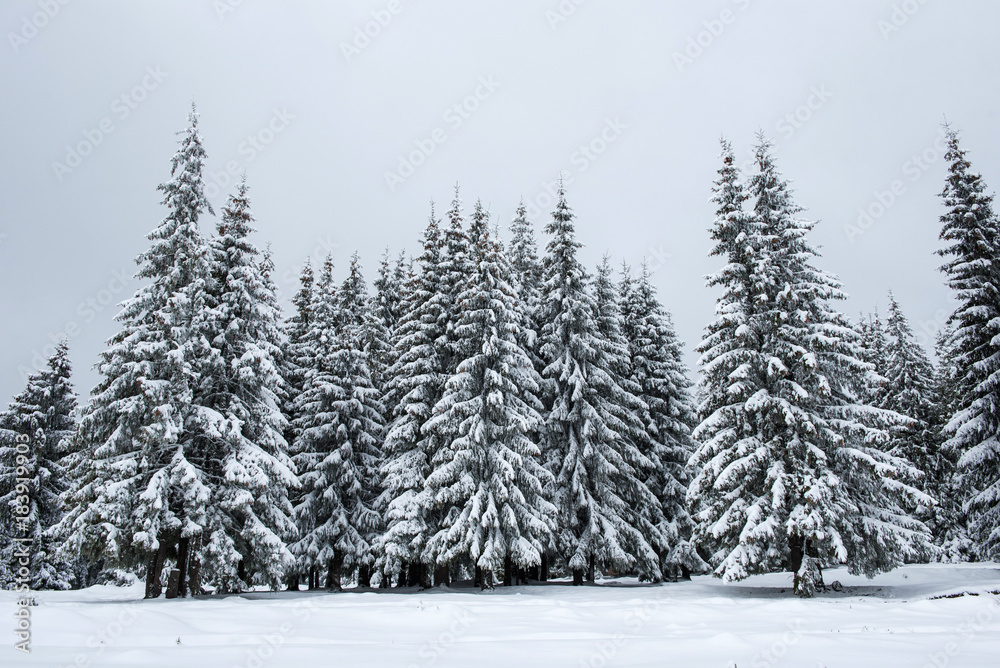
x=182 y=565
x=194 y=567
x=442 y=575
x=477 y=578
x=508 y=571
x=364 y=575
x=577 y=577
x=173 y=583
x=292 y=581
x=334 y=571
x=590 y=569
x=153 y=569
x=486 y=579
x=544 y=568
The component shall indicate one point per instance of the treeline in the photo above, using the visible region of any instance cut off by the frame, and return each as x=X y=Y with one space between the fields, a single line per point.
x=494 y=413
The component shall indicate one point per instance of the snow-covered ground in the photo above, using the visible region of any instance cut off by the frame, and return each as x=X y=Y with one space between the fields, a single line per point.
x=893 y=620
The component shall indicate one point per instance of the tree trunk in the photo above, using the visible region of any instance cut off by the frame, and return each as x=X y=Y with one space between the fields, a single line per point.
x=153 y=569
x=442 y=575
x=590 y=569
x=292 y=581
x=486 y=579
x=508 y=571
x=241 y=573
x=334 y=571
x=414 y=575
x=194 y=567
x=477 y=578
x=795 y=553
x=182 y=565
x=544 y=574
x=173 y=583
x=364 y=575
x=577 y=577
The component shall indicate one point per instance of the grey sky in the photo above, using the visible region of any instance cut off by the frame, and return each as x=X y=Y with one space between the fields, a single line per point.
x=534 y=80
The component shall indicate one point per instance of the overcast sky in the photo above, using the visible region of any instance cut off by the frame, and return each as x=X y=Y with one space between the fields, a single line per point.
x=349 y=117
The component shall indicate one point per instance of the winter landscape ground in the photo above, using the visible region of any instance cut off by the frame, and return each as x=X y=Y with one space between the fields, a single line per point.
x=920 y=615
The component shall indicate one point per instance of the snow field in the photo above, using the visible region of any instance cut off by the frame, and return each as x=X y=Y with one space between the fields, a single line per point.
x=892 y=620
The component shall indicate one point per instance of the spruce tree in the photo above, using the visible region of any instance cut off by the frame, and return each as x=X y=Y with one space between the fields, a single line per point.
x=245 y=453
x=36 y=433
x=415 y=385
x=595 y=466
x=656 y=363
x=913 y=393
x=791 y=474
x=971 y=232
x=142 y=493
x=490 y=479
x=632 y=418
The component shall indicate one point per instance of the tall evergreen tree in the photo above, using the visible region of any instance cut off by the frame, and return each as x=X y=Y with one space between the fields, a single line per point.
x=341 y=427
x=657 y=367
x=971 y=232
x=142 y=492
x=791 y=475
x=490 y=479
x=595 y=466
x=36 y=434
x=415 y=385
x=297 y=354
x=633 y=417
x=913 y=393
x=245 y=455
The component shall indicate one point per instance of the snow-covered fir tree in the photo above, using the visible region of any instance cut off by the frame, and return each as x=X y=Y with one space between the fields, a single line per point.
x=971 y=232
x=415 y=384
x=297 y=354
x=872 y=331
x=36 y=433
x=526 y=278
x=952 y=535
x=490 y=479
x=656 y=366
x=340 y=422
x=630 y=417
x=913 y=393
x=595 y=465
x=142 y=493
x=791 y=474
x=244 y=454
x=384 y=315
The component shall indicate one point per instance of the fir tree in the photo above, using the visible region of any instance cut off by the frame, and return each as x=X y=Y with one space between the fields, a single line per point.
x=632 y=417
x=791 y=473
x=490 y=479
x=657 y=367
x=341 y=427
x=913 y=393
x=36 y=434
x=415 y=385
x=594 y=464
x=142 y=494
x=971 y=231
x=244 y=451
